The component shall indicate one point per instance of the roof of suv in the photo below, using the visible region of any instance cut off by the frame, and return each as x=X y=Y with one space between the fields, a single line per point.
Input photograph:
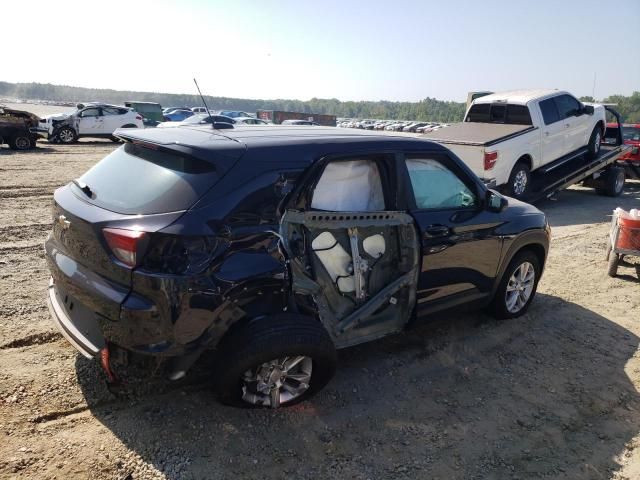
x=207 y=138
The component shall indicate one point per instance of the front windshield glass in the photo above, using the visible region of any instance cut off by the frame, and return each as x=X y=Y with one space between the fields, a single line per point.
x=631 y=133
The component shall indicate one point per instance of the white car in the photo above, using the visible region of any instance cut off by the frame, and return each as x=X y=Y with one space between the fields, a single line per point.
x=97 y=120
x=250 y=121
x=506 y=136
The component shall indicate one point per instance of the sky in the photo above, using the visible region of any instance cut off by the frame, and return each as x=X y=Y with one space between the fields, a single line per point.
x=350 y=50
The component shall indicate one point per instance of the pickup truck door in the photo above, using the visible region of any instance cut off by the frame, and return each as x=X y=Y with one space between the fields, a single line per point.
x=460 y=252
x=576 y=125
x=553 y=131
x=91 y=121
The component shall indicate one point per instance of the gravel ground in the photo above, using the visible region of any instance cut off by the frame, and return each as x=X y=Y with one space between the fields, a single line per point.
x=553 y=394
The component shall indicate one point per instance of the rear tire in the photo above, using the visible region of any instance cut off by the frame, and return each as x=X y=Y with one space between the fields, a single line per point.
x=21 y=142
x=594 y=143
x=501 y=307
x=613 y=182
x=519 y=181
x=256 y=343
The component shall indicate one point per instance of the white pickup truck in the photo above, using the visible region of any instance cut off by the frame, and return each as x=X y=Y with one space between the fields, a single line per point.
x=506 y=136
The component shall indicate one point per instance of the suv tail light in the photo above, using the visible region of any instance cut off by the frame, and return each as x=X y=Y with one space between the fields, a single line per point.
x=179 y=255
x=126 y=245
x=490 y=159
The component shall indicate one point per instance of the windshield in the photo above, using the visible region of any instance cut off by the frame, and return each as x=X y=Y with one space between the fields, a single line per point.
x=171 y=181
x=630 y=133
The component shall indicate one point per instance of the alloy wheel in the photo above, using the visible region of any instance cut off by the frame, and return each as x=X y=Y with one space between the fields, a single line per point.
x=277 y=382
x=520 y=287
x=520 y=183
x=66 y=136
x=22 y=143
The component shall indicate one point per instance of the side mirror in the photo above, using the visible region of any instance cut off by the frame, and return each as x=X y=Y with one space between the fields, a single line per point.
x=495 y=202
x=588 y=109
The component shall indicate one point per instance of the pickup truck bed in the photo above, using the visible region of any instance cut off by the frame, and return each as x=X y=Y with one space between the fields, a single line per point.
x=477 y=134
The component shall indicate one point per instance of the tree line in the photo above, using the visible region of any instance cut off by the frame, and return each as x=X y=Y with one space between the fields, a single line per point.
x=428 y=109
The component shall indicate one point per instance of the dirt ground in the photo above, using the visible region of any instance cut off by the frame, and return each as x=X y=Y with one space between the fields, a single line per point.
x=553 y=394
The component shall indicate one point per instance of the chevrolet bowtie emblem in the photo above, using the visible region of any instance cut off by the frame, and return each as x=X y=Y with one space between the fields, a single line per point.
x=63 y=222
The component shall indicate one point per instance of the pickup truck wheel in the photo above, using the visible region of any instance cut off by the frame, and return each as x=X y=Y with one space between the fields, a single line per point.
x=518 y=185
x=517 y=286
x=274 y=362
x=613 y=182
x=67 y=135
x=594 y=143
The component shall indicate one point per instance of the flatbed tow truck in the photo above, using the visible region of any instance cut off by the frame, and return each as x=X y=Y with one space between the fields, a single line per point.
x=605 y=173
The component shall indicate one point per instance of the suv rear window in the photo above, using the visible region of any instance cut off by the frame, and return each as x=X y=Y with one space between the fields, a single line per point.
x=499 y=113
x=138 y=180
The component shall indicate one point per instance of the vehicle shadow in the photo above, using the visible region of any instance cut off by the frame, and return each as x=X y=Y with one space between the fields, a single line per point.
x=465 y=396
x=581 y=205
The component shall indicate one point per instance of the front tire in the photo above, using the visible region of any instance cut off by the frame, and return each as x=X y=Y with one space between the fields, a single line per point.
x=594 y=143
x=517 y=287
x=67 y=135
x=273 y=362
x=519 y=182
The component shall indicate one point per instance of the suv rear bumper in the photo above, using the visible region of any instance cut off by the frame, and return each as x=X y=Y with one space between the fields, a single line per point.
x=82 y=331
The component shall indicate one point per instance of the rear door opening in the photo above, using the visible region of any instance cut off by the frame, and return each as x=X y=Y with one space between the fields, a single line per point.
x=356 y=257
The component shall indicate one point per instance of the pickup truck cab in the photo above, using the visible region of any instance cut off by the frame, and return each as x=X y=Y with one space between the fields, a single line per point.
x=506 y=136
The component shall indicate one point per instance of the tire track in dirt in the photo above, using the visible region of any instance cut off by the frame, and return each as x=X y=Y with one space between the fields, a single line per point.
x=13 y=233
x=18 y=192
x=21 y=248
x=35 y=339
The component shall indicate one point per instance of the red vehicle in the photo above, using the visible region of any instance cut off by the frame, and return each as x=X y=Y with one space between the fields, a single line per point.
x=631 y=137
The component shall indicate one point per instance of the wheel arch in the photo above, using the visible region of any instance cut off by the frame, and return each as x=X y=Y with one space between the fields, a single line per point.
x=527 y=159
x=535 y=241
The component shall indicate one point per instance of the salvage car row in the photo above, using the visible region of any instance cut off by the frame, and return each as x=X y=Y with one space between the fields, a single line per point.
x=408 y=126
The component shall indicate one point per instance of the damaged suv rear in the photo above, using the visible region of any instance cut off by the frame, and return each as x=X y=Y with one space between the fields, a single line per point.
x=275 y=247
x=18 y=128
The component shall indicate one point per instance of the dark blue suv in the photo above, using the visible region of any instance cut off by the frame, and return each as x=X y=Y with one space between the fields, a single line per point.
x=275 y=246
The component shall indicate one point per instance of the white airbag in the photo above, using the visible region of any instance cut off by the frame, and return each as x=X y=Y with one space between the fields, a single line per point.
x=352 y=186
x=374 y=245
x=335 y=260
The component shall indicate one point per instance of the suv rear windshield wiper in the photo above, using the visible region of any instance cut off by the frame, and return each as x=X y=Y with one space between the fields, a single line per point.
x=84 y=187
